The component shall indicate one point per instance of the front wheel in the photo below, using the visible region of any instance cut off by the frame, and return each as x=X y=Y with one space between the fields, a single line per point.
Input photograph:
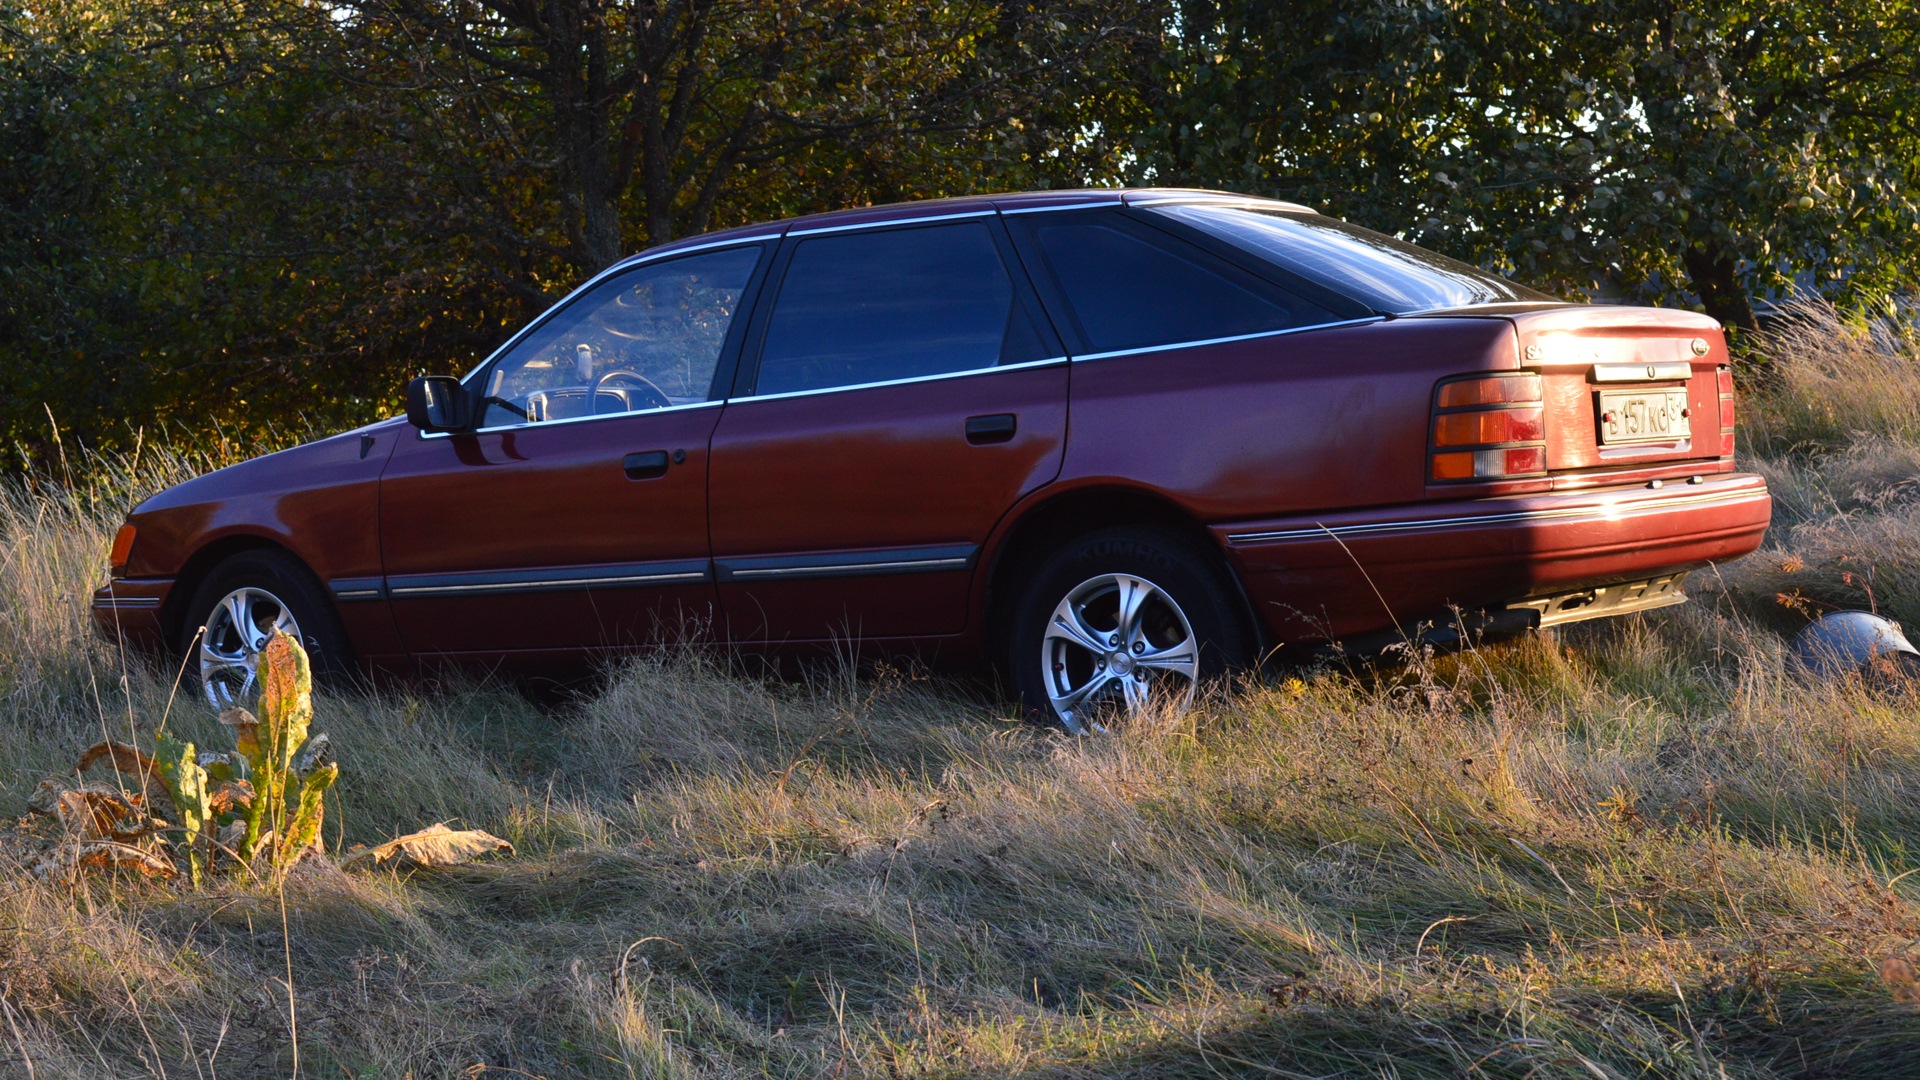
x=1117 y=621
x=236 y=611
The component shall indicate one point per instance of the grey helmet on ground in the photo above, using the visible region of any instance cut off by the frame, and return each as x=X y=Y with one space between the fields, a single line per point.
x=1842 y=642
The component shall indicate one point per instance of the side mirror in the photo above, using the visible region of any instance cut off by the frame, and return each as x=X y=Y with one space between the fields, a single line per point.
x=439 y=403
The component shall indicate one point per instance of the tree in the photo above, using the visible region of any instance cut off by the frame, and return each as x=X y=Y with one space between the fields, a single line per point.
x=233 y=217
x=647 y=111
x=1634 y=147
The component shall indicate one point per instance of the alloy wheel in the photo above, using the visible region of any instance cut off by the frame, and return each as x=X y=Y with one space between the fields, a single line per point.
x=239 y=626
x=1116 y=643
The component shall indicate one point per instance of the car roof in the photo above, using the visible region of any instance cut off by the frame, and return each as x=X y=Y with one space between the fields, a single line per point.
x=967 y=206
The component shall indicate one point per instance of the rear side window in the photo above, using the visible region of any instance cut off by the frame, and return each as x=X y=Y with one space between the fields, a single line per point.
x=869 y=307
x=1131 y=287
x=1384 y=273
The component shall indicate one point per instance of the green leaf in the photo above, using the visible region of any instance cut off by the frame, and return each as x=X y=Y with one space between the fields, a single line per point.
x=186 y=783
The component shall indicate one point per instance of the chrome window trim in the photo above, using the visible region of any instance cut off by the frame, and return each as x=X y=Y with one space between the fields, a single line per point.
x=1224 y=340
x=628 y=263
x=1193 y=198
x=956 y=216
x=1601 y=512
x=1112 y=204
x=542 y=425
x=750 y=398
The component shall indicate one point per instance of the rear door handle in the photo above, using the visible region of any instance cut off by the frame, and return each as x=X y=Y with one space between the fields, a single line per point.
x=997 y=428
x=645 y=466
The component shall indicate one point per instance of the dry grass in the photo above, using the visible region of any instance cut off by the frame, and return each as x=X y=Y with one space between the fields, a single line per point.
x=1640 y=849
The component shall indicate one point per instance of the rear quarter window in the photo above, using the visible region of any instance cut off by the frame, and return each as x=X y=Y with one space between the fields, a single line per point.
x=1127 y=286
x=1386 y=274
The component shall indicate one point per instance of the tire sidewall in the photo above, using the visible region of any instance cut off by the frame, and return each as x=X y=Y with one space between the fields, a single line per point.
x=1184 y=570
x=290 y=583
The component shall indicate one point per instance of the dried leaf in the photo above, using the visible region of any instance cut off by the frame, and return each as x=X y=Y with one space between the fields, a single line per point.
x=64 y=862
x=91 y=811
x=105 y=854
x=45 y=795
x=246 y=734
x=434 y=847
x=317 y=752
x=230 y=796
x=126 y=759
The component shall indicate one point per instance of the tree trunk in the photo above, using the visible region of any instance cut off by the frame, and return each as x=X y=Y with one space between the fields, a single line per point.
x=577 y=58
x=1718 y=286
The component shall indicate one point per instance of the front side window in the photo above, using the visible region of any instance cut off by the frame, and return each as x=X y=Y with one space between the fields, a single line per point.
x=648 y=338
x=1384 y=273
x=869 y=307
x=1129 y=287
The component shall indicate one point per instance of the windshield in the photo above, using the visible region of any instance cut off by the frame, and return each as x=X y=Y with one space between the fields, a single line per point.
x=1387 y=275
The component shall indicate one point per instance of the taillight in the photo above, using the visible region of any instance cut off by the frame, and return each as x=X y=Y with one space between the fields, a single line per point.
x=122 y=547
x=1488 y=427
x=1726 y=412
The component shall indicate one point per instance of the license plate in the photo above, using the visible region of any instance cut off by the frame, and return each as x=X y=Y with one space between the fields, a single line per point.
x=1643 y=416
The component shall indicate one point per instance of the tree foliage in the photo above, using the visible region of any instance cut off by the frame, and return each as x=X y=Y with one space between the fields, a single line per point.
x=1633 y=148
x=220 y=216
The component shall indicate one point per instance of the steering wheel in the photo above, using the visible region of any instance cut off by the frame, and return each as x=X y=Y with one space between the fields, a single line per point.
x=656 y=398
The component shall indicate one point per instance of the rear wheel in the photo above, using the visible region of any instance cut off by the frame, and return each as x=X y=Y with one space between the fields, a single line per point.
x=236 y=611
x=1119 y=620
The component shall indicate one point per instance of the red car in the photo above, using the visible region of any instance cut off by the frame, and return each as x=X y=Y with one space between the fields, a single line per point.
x=1112 y=441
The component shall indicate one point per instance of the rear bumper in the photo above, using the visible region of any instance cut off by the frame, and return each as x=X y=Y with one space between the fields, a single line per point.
x=128 y=610
x=1356 y=571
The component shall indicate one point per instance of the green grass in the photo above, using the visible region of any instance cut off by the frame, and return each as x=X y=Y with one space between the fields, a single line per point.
x=1636 y=849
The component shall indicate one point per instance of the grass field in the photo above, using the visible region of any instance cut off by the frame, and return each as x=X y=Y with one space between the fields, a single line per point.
x=1638 y=849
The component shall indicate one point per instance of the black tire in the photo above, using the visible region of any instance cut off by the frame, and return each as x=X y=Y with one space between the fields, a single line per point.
x=1191 y=580
x=284 y=580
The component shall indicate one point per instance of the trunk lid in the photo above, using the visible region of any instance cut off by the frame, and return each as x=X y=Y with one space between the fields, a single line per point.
x=1626 y=387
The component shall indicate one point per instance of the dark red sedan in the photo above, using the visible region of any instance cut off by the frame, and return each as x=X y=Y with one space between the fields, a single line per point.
x=1112 y=441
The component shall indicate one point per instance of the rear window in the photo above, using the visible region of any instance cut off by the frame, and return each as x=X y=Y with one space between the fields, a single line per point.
x=1130 y=287
x=1385 y=274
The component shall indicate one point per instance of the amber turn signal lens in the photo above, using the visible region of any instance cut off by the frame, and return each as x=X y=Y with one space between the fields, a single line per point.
x=1490 y=390
x=1488 y=428
x=1455 y=466
x=122 y=547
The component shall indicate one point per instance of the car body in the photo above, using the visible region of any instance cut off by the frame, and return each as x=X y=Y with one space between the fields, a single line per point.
x=879 y=427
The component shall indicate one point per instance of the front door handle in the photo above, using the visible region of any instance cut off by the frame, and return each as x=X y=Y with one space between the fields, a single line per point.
x=645 y=466
x=997 y=428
